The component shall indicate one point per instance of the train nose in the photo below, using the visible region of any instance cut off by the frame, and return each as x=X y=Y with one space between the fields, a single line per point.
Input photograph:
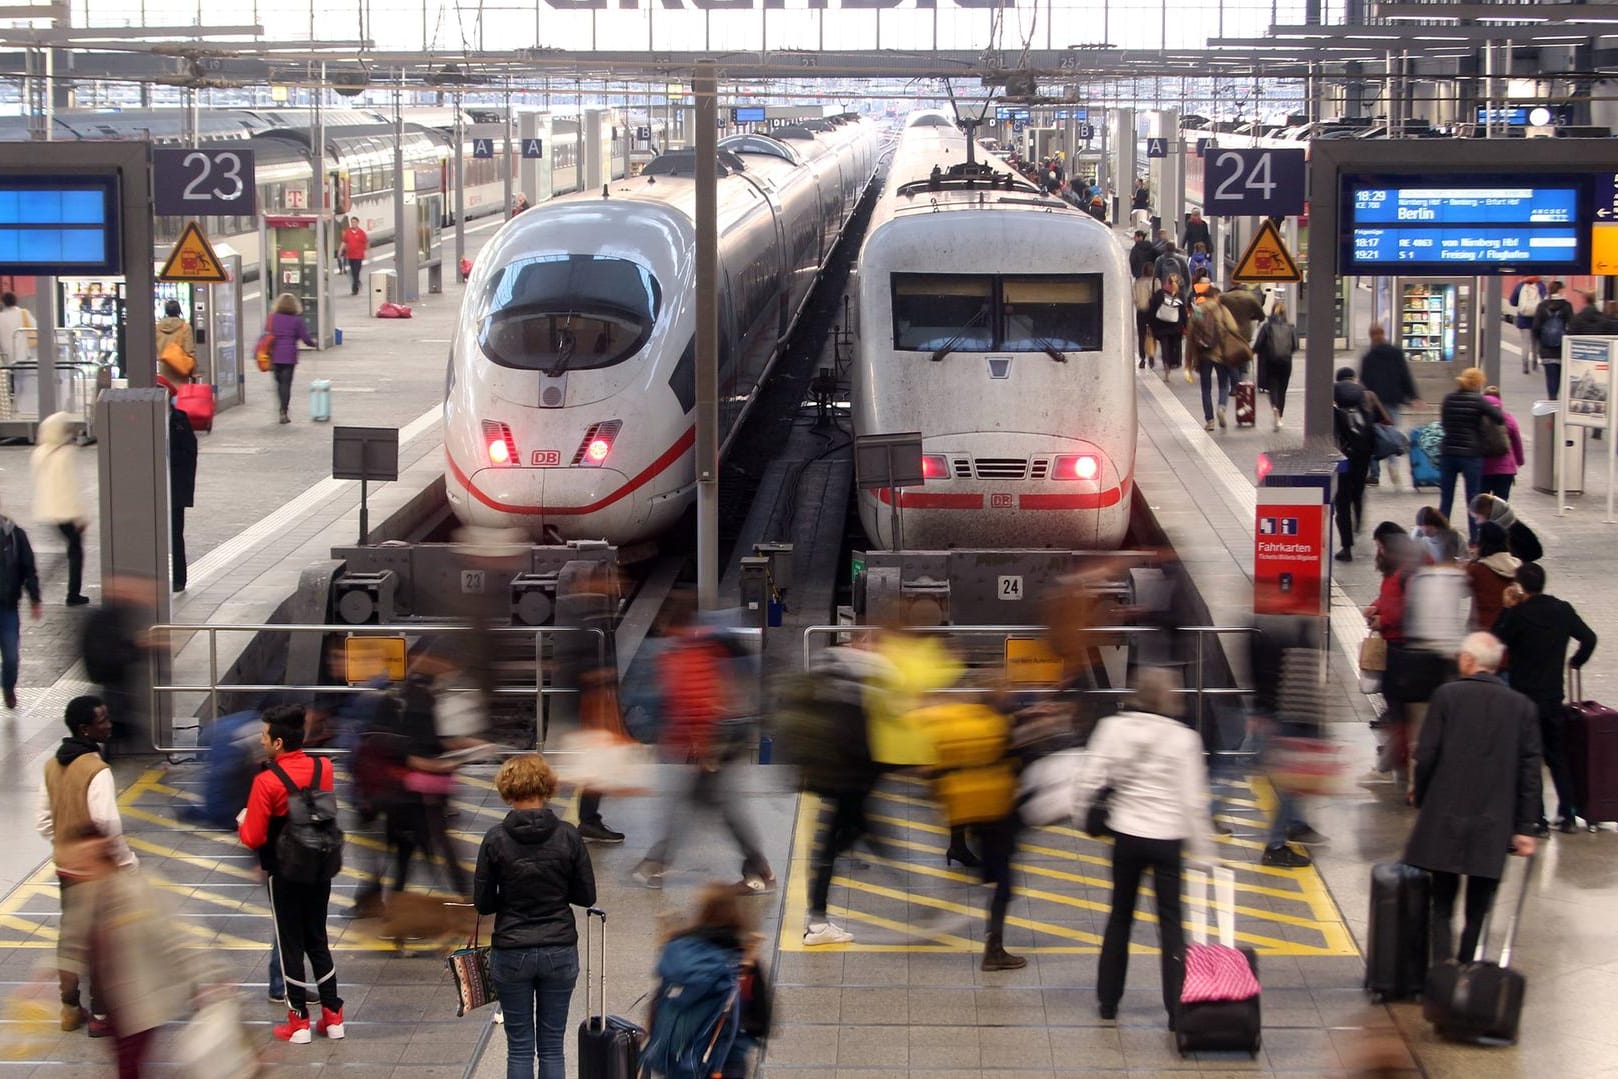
x=573 y=503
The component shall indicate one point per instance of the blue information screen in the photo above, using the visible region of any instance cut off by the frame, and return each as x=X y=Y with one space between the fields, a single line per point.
x=1465 y=225
x=65 y=225
x=749 y=114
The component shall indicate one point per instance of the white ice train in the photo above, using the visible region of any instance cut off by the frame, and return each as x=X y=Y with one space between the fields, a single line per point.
x=572 y=378
x=998 y=323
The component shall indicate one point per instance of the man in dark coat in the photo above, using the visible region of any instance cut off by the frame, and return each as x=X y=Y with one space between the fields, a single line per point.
x=1476 y=789
x=1536 y=629
x=1197 y=232
x=1142 y=255
x=182 y=486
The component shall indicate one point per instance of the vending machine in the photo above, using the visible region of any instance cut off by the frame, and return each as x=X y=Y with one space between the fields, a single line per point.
x=93 y=307
x=292 y=260
x=1435 y=320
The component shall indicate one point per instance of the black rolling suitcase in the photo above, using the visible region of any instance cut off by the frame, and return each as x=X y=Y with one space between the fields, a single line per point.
x=609 y=1045
x=1397 y=944
x=1480 y=1001
x=1220 y=1003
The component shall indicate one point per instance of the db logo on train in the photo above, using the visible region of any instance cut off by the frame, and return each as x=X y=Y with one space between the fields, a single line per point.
x=546 y=458
x=1000 y=502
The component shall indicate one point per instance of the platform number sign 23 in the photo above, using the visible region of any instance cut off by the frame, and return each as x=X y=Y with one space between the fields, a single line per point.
x=203 y=183
x=1253 y=183
x=1010 y=588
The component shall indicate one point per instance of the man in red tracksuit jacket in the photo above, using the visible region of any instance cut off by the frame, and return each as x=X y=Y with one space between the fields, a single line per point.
x=298 y=908
x=355 y=245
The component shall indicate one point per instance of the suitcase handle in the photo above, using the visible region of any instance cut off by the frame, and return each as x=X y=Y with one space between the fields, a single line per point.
x=1480 y=952
x=595 y=912
x=1575 y=684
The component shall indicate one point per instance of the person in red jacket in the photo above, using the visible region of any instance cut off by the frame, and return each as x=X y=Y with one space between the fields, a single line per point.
x=355 y=244
x=298 y=908
x=701 y=693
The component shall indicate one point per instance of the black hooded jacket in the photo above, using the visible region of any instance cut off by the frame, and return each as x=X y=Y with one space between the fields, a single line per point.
x=1536 y=633
x=73 y=747
x=532 y=869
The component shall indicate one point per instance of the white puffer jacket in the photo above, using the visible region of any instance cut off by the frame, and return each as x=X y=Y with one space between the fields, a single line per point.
x=58 y=497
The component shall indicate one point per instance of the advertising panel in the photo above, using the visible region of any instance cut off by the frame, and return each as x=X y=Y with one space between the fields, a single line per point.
x=1291 y=547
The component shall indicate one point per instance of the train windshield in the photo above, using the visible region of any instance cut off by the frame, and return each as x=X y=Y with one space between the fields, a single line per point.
x=999 y=313
x=557 y=313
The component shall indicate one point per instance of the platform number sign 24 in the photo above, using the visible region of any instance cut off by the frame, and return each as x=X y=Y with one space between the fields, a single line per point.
x=203 y=183
x=1010 y=588
x=1253 y=183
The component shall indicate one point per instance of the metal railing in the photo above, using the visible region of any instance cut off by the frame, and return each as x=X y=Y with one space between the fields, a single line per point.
x=76 y=391
x=1198 y=690
x=161 y=690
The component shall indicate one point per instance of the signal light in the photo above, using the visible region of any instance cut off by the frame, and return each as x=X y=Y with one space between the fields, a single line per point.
x=502 y=447
x=934 y=466
x=1080 y=466
x=596 y=445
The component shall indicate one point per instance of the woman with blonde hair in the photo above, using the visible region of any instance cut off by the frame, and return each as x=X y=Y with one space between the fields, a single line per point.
x=286 y=327
x=533 y=868
x=1463 y=414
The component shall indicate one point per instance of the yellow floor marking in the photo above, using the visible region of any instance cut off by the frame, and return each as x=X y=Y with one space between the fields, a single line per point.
x=961 y=908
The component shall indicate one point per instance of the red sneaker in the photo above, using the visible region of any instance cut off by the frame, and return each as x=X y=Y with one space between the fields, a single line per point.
x=99 y=1027
x=330 y=1022
x=294 y=1030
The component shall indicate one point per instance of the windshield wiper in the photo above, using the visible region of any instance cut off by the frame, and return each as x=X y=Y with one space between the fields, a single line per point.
x=566 y=346
x=949 y=346
x=1047 y=346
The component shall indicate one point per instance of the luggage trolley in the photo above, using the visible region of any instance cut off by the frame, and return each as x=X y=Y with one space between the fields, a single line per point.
x=80 y=376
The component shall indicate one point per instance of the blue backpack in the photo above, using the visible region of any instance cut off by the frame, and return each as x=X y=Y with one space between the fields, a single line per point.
x=697 y=1013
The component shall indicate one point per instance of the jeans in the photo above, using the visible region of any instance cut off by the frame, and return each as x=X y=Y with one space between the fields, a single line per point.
x=1375 y=474
x=1288 y=813
x=354 y=274
x=1131 y=858
x=1479 y=898
x=1208 y=369
x=710 y=787
x=535 y=986
x=1470 y=469
x=999 y=842
x=1529 y=345
x=1552 y=366
x=1553 y=737
x=1277 y=376
x=1499 y=485
x=74 y=535
x=278 y=981
x=283 y=384
x=10 y=634
x=847 y=824
x=177 y=545
x=1350 y=501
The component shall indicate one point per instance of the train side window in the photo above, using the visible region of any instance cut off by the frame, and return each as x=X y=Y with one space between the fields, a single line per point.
x=934 y=311
x=1050 y=311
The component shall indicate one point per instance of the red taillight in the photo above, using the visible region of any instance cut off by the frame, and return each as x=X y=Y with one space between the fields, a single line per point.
x=934 y=467
x=502 y=447
x=1075 y=466
x=596 y=445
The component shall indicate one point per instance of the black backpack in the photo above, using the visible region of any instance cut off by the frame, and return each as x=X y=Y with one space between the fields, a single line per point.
x=1356 y=436
x=309 y=849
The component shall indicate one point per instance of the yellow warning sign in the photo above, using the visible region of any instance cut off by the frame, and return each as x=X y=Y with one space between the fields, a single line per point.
x=366 y=657
x=1604 y=250
x=1030 y=662
x=1267 y=259
x=193 y=260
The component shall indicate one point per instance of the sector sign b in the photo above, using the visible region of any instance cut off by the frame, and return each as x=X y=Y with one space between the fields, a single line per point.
x=1253 y=183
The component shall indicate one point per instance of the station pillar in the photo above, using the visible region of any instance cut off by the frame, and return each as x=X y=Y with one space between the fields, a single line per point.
x=534 y=176
x=1121 y=123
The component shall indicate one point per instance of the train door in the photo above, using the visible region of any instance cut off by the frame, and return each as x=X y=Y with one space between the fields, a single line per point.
x=338 y=191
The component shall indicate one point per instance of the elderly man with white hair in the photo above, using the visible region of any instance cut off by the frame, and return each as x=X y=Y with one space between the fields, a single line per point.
x=1477 y=786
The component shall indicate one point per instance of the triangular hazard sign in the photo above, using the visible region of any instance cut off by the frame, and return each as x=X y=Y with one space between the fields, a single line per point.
x=193 y=260
x=1267 y=258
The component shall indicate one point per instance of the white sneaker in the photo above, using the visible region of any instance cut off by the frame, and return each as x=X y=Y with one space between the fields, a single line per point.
x=820 y=933
x=1277 y=421
x=1376 y=775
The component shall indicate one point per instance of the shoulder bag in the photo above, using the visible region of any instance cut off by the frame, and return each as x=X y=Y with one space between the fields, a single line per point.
x=469 y=969
x=264 y=352
x=175 y=356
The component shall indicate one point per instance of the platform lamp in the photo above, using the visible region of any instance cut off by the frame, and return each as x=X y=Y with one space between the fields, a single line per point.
x=889 y=463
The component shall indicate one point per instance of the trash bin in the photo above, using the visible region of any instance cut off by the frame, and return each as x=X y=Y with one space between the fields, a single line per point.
x=1546 y=457
x=384 y=288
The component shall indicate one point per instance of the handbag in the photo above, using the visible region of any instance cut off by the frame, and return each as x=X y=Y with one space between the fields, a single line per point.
x=469 y=968
x=1095 y=818
x=1390 y=442
x=263 y=352
x=211 y=1045
x=1373 y=661
x=1233 y=350
x=179 y=359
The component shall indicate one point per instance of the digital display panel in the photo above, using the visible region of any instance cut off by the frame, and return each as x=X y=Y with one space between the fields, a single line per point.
x=1011 y=112
x=59 y=225
x=1526 y=115
x=1465 y=224
x=749 y=115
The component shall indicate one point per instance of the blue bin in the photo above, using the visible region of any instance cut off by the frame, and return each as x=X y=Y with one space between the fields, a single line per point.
x=337 y=336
